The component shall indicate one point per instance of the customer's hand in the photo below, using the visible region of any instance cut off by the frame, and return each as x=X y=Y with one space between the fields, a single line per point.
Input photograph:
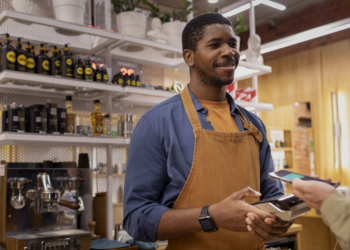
x=268 y=229
x=231 y=212
x=312 y=192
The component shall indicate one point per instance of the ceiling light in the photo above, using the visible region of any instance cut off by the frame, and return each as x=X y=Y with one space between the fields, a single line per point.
x=304 y=36
x=274 y=5
x=246 y=6
x=213 y=1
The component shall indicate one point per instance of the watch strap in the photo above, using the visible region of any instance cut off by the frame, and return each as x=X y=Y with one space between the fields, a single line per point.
x=204 y=211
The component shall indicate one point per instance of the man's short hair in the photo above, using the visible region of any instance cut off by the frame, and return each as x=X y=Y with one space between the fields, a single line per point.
x=194 y=30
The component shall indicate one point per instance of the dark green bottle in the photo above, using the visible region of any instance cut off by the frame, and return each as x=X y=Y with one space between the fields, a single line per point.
x=30 y=66
x=105 y=77
x=55 y=63
x=42 y=62
x=78 y=68
x=98 y=74
x=138 y=82
x=132 y=79
x=8 y=55
x=67 y=66
x=119 y=79
x=88 y=70
x=21 y=62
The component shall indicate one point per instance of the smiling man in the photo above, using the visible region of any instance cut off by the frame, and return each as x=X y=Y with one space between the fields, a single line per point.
x=196 y=159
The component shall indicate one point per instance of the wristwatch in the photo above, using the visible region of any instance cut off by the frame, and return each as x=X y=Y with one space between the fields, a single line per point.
x=206 y=221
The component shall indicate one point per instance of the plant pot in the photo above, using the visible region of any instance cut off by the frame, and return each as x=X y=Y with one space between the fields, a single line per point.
x=71 y=11
x=174 y=32
x=26 y=6
x=131 y=23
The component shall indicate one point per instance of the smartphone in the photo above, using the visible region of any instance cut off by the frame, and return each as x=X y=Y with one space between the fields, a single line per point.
x=288 y=176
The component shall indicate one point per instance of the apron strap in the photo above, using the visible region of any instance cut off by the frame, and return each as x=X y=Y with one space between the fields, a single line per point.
x=250 y=127
x=190 y=110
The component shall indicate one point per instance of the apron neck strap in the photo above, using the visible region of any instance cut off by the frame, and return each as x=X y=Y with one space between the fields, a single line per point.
x=250 y=127
x=190 y=109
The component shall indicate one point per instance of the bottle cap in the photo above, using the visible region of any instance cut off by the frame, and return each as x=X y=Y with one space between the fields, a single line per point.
x=96 y=101
x=107 y=116
x=69 y=98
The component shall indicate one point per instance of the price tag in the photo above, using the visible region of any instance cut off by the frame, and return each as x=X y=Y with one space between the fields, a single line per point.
x=65 y=133
x=76 y=134
x=20 y=131
x=56 y=133
x=42 y=132
x=105 y=135
x=90 y=135
x=2 y=170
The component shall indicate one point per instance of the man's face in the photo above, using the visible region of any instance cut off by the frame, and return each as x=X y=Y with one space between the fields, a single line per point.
x=217 y=57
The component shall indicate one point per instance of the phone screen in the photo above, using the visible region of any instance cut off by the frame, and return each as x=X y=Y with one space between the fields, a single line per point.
x=287 y=175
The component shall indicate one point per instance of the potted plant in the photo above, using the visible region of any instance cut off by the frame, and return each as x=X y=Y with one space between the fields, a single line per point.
x=71 y=11
x=238 y=27
x=173 y=24
x=129 y=22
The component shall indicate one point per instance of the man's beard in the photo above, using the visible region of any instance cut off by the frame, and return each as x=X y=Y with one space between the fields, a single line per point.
x=210 y=80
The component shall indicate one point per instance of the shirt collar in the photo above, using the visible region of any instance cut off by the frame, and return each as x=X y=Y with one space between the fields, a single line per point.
x=198 y=106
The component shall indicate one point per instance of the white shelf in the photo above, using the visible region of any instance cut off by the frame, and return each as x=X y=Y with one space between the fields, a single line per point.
x=21 y=82
x=30 y=139
x=255 y=107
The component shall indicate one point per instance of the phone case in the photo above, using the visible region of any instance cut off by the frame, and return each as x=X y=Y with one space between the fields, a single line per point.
x=286 y=208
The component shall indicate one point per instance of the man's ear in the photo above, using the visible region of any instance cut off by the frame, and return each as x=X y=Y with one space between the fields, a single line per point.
x=188 y=56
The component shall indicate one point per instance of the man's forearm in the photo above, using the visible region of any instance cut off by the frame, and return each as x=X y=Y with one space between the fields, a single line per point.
x=175 y=223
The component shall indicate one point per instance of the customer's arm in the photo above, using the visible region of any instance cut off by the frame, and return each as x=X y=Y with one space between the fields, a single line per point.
x=334 y=207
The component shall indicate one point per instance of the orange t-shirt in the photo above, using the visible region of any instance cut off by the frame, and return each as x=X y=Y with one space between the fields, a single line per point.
x=219 y=115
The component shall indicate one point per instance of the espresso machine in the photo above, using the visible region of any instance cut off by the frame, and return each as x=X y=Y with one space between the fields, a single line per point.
x=40 y=205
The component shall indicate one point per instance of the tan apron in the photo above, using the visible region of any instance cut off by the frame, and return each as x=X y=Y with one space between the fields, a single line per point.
x=223 y=163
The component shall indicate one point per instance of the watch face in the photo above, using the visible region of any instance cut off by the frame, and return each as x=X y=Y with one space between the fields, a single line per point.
x=207 y=225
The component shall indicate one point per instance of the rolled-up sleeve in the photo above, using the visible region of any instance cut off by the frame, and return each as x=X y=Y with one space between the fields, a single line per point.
x=146 y=173
x=268 y=187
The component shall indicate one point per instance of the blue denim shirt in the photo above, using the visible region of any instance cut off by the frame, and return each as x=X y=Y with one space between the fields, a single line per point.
x=160 y=159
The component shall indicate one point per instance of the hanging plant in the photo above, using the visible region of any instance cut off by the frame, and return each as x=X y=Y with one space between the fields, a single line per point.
x=238 y=27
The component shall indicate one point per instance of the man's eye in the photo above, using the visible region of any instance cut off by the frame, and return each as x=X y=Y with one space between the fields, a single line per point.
x=232 y=45
x=214 y=45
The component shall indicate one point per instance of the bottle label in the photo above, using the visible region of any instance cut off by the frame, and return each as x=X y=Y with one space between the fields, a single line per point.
x=58 y=63
x=105 y=77
x=138 y=84
x=53 y=111
x=99 y=124
x=38 y=119
x=133 y=83
x=70 y=123
x=120 y=81
x=98 y=76
x=15 y=118
x=88 y=71
x=69 y=61
x=128 y=82
x=30 y=63
x=11 y=56
x=22 y=59
x=63 y=115
x=80 y=70
x=46 y=64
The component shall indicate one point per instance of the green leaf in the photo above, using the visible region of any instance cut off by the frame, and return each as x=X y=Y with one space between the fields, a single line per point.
x=240 y=29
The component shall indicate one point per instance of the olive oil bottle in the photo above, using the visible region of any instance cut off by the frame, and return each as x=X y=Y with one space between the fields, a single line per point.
x=70 y=125
x=97 y=119
x=88 y=70
x=67 y=63
x=78 y=68
x=42 y=62
x=55 y=63
x=30 y=66
x=105 y=77
x=21 y=62
x=98 y=74
x=8 y=55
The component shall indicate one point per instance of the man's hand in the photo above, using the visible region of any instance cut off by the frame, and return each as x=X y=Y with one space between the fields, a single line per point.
x=231 y=212
x=312 y=192
x=268 y=229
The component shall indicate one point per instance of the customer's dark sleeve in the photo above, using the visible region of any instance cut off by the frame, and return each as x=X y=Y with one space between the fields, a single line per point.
x=146 y=173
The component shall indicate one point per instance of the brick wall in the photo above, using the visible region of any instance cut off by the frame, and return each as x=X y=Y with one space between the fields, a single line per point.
x=311 y=17
x=301 y=140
